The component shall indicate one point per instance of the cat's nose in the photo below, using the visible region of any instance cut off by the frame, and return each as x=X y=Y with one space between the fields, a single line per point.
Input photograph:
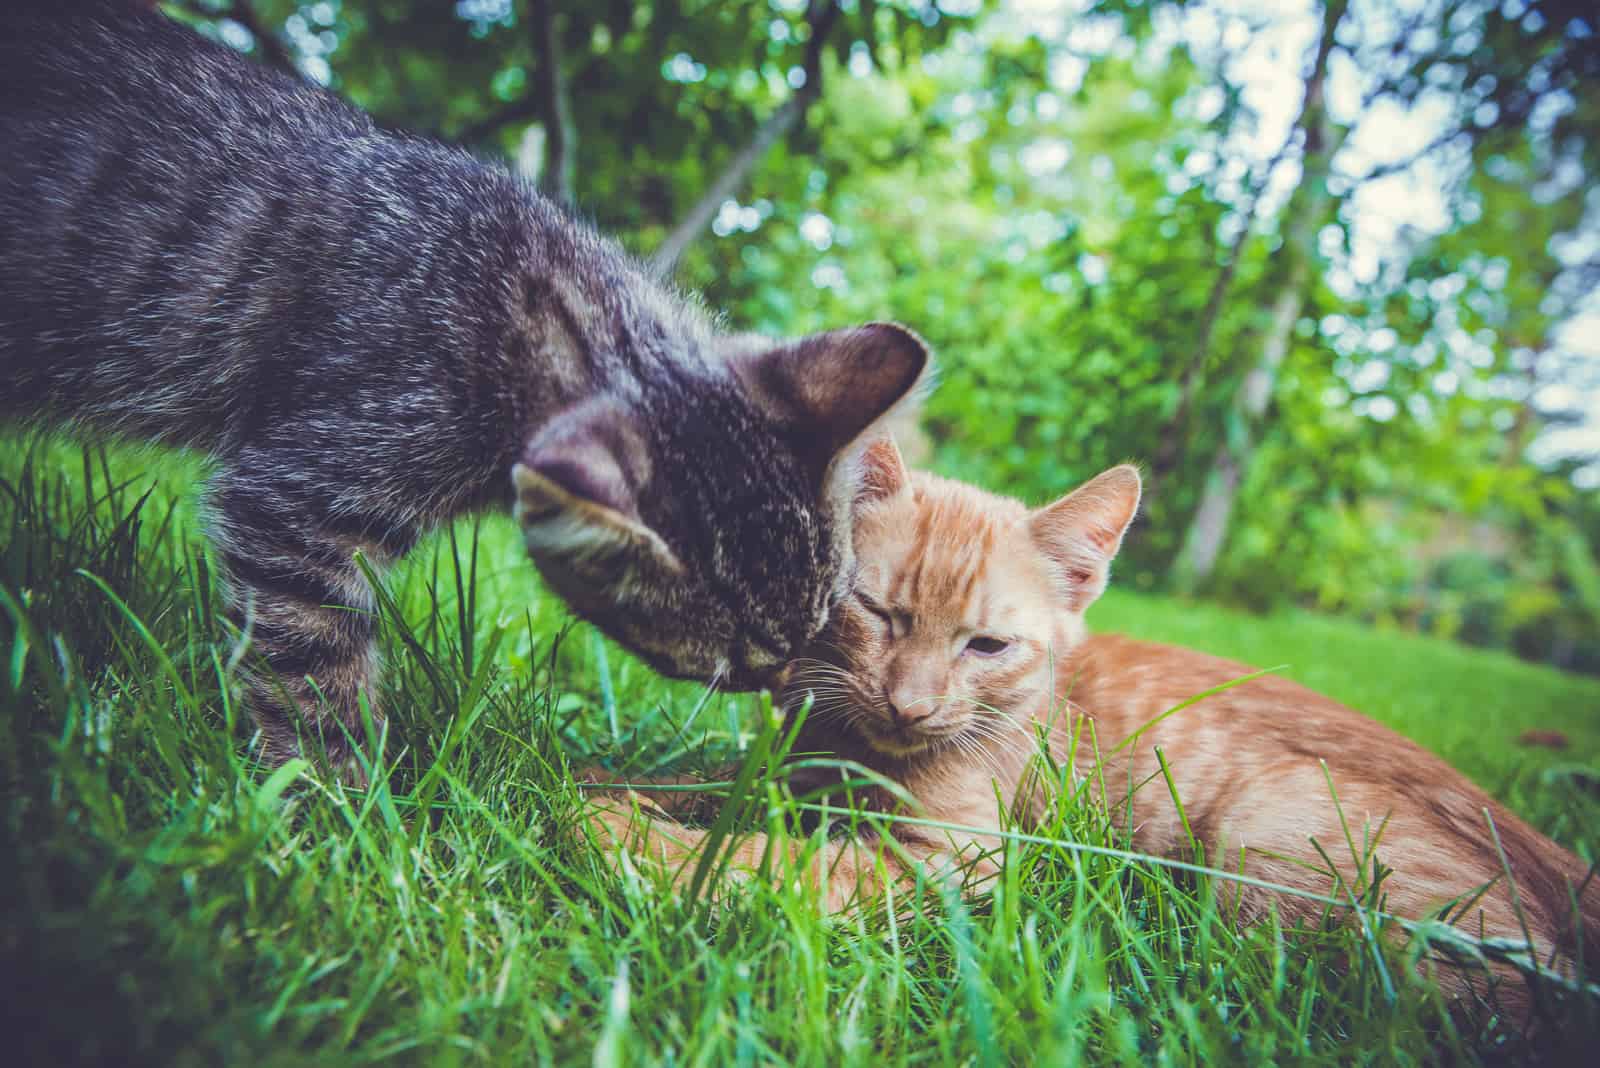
x=904 y=713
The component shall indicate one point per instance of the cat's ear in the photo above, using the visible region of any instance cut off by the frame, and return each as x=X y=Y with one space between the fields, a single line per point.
x=882 y=472
x=1081 y=533
x=576 y=490
x=834 y=387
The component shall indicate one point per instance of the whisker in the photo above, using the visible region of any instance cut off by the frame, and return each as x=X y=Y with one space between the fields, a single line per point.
x=1013 y=744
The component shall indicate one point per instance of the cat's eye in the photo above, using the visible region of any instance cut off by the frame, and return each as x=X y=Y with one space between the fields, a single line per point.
x=881 y=613
x=877 y=611
x=983 y=645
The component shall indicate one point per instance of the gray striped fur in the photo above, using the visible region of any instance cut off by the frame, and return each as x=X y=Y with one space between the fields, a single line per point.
x=368 y=333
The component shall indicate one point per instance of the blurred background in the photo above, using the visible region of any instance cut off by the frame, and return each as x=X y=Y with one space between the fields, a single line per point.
x=1326 y=270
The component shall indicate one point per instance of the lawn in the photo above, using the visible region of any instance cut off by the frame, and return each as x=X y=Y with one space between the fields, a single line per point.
x=167 y=902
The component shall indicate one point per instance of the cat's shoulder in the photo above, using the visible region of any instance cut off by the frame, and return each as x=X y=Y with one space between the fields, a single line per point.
x=1176 y=673
x=1115 y=653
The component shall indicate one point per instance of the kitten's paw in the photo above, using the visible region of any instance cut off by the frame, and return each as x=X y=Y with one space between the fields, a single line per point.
x=611 y=826
x=594 y=776
x=622 y=804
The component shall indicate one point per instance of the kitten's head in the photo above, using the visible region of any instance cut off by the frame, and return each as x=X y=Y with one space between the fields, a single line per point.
x=704 y=523
x=962 y=603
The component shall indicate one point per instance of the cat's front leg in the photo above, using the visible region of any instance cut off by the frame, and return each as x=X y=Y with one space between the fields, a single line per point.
x=307 y=612
x=681 y=802
x=842 y=873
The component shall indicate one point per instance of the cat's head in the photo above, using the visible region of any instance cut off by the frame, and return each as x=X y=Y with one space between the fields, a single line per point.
x=962 y=603
x=704 y=523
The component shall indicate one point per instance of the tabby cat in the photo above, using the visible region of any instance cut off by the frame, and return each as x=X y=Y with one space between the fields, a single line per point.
x=965 y=639
x=371 y=333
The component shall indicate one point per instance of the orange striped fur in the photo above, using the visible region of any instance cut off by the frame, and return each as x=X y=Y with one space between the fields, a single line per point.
x=966 y=636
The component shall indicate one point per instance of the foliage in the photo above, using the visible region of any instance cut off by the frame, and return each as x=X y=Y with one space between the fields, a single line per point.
x=1062 y=241
x=661 y=92
x=1086 y=212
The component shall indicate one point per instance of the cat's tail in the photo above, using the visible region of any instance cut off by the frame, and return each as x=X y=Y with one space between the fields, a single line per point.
x=1586 y=887
x=1567 y=892
x=1562 y=894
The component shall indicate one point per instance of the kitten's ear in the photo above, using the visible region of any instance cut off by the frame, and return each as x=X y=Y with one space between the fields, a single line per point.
x=577 y=485
x=1081 y=533
x=882 y=472
x=832 y=387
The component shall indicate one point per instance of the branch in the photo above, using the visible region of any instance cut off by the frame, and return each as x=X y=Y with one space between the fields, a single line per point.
x=1208 y=528
x=272 y=47
x=820 y=16
x=1312 y=119
x=525 y=107
x=519 y=110
x=554 y=107
x=1385 y=170
x=528 y=107
x=1166 y=456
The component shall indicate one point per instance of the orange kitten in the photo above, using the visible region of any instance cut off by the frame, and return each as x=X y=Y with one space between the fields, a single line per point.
x=966 y=635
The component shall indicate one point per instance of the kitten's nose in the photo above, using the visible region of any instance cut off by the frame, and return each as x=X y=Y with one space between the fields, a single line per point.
x=905 y=713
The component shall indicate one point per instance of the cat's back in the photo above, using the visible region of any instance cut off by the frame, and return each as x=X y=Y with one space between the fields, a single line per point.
x=93 y=69
x=178 y=222
x=1125 y=683
x=150 y=181
x=1108 y=672
x=104 y=105
x=1254 y=750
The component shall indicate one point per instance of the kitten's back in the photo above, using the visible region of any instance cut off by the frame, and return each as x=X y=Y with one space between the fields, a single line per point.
x=169 y=213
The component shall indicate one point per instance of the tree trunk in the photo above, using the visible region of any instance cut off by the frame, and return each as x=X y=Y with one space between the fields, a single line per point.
x=555 y=108
x=1209 y=527
x=1165 y=460
x=820 y=16
x=1303 y=215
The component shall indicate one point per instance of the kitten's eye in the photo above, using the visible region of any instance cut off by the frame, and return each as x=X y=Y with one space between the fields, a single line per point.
x=983 y=645
x=878 y=613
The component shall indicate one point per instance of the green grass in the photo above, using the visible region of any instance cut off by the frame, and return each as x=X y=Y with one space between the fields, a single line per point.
x=167 y=902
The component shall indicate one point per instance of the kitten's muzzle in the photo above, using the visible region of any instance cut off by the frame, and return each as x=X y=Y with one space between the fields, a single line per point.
x=755 y=665
x=747 y=679
x=783 y=676
x=908 y=714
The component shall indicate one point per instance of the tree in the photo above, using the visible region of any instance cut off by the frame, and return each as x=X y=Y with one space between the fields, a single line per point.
x=819 y=21
x=1307 y=209
x=1490 y=66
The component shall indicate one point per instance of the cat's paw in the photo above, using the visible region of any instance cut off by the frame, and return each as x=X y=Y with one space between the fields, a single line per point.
x=611 y=826
x=594 y=776
x=622 y=821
